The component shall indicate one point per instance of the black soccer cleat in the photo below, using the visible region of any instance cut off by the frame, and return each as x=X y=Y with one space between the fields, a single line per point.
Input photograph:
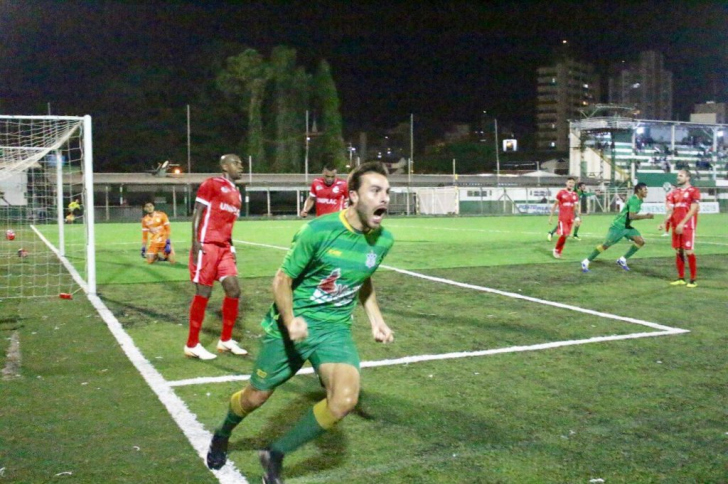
x=217 y=454
x=272 y=463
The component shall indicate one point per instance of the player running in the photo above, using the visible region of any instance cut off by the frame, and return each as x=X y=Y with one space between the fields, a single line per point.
x=328 y=267
x=157 y=232
x=684 y=220
x=583 y=193
x=568 y=202
x=622 y=228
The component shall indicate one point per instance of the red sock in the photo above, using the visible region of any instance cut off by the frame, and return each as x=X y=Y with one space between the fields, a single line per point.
x=693 y=264
x=560 y=244
x=680 y=263
x=229 y=316
x=197 y=315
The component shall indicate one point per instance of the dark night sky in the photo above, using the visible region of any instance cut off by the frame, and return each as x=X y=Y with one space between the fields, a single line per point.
x=439 y=60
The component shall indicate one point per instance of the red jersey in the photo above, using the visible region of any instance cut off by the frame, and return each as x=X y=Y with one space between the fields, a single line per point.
x=567 y=201
x=682 y=199
x=329 y=199
x=222 y=202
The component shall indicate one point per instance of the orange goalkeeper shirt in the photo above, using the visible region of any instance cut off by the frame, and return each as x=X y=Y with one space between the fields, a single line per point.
x=155 y=228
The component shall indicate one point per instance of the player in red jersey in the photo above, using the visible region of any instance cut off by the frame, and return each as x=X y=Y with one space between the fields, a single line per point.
x=327 y=192
x=212 y=257
x=156 y=231
x=684 y=220
x=569 y=208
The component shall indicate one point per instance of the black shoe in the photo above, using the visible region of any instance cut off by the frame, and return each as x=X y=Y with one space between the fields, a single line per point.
x=272 y=463
x=217 y=454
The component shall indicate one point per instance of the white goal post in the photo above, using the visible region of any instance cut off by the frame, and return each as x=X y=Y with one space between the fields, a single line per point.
x=438 y=201
x=46 y=206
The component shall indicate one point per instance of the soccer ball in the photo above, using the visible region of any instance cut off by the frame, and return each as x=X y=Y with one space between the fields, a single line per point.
x=10 y=234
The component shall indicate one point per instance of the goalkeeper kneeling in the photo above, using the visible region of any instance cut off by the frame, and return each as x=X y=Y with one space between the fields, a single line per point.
x=156 y=230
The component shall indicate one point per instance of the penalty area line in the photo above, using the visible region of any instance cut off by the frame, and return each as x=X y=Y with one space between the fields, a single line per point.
x=513 y=295
x=445 y=356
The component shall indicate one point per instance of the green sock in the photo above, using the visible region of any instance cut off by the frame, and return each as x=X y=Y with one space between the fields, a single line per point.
x=576 y=231
x=305 y=431
x=631 y=251
x=228 y=425
x=235 y=415
x=595 y=253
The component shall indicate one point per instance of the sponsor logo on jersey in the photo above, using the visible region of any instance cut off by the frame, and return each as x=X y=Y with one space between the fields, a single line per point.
x=330 y=291
x=371 y=259
x=334 y=252
x=335 y=190
x=229 y=208
x=225 y=189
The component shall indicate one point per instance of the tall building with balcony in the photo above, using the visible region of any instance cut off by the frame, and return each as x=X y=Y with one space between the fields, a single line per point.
x=564 y=89
x=645 y=84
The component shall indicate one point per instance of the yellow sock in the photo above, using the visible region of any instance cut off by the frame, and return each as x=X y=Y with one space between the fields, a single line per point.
x=323 y=415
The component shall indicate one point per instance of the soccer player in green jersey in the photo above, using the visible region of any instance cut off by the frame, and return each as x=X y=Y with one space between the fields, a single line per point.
x=329 y=264
x=622 y=228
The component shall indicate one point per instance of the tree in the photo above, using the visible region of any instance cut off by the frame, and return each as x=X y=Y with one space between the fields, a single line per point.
x=245 y=77
x=331 y=140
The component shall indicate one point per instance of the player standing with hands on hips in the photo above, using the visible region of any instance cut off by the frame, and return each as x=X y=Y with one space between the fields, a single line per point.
x=212 y=256
x=329 y=264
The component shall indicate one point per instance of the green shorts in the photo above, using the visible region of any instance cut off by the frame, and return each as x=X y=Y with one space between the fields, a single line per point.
x=279 y=358
x=615 y=235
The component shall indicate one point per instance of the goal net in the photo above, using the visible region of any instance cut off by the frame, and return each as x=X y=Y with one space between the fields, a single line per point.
x=438 y=201
x=46 y=206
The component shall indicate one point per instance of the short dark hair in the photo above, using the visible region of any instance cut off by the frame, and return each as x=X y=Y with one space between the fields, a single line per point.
x=354 y=180
x=327 y=162
x=571 y=178
x=639 y=186
x=687 y=172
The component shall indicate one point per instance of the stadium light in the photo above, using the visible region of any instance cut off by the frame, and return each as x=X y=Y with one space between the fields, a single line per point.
x=720 y=133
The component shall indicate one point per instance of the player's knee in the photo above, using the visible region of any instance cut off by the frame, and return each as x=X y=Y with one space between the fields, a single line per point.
x=340 y=404
x=252 y=399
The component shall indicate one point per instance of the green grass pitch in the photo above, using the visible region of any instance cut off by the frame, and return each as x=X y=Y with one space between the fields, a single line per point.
x=542 y=381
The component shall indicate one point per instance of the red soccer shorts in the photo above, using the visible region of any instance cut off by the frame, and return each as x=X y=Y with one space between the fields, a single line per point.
x=685 y=241
x=212 y=264
x=565 y=227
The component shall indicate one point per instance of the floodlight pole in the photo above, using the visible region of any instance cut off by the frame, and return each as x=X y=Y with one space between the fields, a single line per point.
x=189 y=146
x=497 y=156
x=306 y=156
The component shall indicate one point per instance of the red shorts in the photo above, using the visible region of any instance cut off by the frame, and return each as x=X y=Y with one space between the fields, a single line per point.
x=685 y=241
x=213 y=263
x=565 y=227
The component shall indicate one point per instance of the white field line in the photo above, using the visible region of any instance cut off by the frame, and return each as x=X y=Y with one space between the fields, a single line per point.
x=663 y=331
x=443 y=356
x=182 y=415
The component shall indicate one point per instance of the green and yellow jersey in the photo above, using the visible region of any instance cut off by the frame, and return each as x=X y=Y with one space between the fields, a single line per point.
x=622 y=221
x=329 y=261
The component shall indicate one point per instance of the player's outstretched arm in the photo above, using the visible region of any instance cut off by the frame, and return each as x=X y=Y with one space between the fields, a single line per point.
x=283 y=297
x=368 y=298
